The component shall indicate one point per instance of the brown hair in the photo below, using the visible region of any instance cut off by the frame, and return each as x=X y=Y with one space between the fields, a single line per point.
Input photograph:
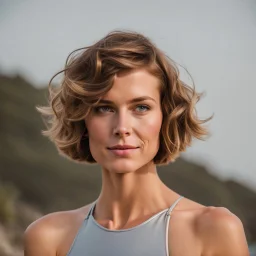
x=89 y=75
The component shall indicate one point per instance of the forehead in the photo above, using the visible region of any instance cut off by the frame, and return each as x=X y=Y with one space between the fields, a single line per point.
x=134 y=83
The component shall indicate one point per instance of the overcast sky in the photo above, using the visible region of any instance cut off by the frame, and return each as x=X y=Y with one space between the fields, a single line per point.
x=214 y=40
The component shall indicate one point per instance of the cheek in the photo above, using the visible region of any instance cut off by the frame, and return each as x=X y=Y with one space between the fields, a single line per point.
x=152 y=126
x=97 y=131
x=97 y=138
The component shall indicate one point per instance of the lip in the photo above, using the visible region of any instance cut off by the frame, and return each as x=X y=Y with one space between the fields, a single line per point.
x=123 y=152
x=122 y=147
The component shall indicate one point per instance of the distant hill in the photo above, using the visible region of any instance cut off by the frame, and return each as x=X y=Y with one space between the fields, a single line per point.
x=50 y=182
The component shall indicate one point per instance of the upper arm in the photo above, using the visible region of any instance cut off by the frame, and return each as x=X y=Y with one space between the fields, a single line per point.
x=40 y=238
x=222 y=233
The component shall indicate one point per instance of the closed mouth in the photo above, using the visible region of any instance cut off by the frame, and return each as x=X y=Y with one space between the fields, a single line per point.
x=121 y=148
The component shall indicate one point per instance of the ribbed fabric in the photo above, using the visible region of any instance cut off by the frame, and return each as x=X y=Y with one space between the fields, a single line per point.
x=149 y=238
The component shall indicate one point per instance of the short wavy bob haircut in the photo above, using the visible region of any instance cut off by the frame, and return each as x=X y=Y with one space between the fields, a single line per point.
x=89 y=74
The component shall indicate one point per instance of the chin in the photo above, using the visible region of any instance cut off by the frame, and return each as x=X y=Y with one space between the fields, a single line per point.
x=122 y=167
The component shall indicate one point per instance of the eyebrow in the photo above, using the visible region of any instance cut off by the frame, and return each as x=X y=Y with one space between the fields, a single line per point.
x=142 y=98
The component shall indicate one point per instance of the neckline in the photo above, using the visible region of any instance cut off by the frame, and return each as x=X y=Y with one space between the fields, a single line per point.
x=126 y=229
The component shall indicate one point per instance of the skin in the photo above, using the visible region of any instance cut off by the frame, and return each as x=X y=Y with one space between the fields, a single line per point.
x=127 y=198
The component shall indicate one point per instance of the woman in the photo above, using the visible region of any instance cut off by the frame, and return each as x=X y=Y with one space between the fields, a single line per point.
x=121 y=105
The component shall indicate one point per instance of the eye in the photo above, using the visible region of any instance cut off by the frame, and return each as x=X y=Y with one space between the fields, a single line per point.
x=101 y=109
x=145 y=107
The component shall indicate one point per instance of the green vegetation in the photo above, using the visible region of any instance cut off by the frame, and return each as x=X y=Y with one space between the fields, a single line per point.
x=8 y=198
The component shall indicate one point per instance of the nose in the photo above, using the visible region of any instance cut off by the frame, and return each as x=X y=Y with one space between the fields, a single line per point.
x=123 y=125
x=121 y=132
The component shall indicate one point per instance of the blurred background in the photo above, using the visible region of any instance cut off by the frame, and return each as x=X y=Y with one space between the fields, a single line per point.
x=214 y=40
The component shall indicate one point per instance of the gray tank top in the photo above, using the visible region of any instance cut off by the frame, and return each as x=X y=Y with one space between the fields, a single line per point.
x=149 y=238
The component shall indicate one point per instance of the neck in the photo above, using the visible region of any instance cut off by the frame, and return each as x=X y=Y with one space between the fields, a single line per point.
x=126 y=196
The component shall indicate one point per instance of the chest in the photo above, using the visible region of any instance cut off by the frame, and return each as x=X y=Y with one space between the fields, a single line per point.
x=175 y=237
x=146 y=239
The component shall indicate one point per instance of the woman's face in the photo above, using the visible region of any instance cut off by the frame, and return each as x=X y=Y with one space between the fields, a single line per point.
x=121 y=121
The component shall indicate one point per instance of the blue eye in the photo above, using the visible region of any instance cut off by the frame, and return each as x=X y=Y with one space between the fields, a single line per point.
x=143 y=106
x=98 y=109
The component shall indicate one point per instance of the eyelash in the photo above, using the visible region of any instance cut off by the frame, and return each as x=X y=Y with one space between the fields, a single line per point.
x=97 y=109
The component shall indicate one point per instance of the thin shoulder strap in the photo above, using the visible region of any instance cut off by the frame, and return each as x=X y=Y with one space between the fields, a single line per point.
x=91 y=210
x=173 y=205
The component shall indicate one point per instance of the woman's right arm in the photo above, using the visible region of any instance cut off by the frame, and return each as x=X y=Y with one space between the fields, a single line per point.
x=40 y=238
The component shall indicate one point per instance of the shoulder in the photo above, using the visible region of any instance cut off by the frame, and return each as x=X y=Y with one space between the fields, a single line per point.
x=221 y=232
x=182 y=228
x=206 y=231
x=46 y=235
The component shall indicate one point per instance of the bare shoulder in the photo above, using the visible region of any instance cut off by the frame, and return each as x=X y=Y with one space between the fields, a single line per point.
x=183 y=240
x=53 y=233
x=221 y=232
x=200 y=230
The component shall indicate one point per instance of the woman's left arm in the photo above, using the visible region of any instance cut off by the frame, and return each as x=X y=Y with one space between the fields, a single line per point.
x=222 y=233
